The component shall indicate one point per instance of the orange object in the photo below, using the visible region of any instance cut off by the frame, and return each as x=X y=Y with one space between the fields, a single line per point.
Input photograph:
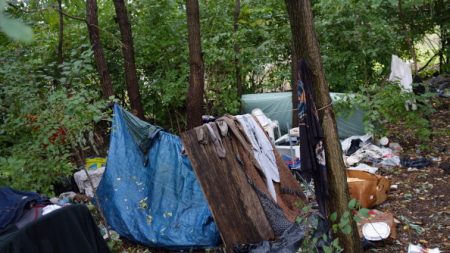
x=369 y=189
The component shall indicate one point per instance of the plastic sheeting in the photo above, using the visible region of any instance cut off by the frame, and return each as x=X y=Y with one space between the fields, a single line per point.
x=278 y=106
x=159 y=204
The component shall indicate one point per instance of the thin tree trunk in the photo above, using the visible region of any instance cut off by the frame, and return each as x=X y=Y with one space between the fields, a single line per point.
x=306 y=46
x=99 y=57
x=196 y=76
x=237 y=11
x=60 y=33
x=131 y=78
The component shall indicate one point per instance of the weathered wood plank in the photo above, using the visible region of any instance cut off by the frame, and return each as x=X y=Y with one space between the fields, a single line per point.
x=235 y=206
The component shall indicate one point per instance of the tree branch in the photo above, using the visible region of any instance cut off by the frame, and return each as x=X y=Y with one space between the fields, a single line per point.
x=428 y=62
x=70 y=16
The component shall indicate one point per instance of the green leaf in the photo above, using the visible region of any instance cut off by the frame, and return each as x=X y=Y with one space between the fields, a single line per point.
x=352 y=204
x=347 y=229
x=333 y=217
x=363 y=212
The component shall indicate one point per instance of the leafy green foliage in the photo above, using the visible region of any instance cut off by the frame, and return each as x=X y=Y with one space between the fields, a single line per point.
x=328 y=244
x=45 y=117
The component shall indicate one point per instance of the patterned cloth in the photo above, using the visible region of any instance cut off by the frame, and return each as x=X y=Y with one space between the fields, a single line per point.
x=312 y=155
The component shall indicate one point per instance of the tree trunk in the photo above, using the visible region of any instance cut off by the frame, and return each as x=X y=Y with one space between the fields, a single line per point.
x=237 y=11
x=294 y=82
x=306 y=46
x=196 y=75
x=60 y=33
x=131 y=78
x=99 y=57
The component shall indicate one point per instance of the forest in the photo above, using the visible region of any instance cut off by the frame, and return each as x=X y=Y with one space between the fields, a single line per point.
x=64 y=63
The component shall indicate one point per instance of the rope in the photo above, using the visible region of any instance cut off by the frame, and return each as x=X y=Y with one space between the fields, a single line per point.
x=325 y=107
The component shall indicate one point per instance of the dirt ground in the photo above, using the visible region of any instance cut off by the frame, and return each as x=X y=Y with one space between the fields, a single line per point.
x=422 y=196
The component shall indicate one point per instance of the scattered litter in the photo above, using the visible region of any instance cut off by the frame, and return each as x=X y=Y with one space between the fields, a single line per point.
x=394 y=187
x=419 y=230
x=83 y=181
x=364 y=167
x=419 y=249
x=384 y=141
x=418 y=163
x=376 y=231
x=368 y=189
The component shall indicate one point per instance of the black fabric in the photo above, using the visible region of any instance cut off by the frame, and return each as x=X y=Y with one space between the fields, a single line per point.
x=292 y=238
x=312 y=155
x=274 y=214
x=415 y=163
x=13 y=203
x=289 y=242
x=70 y=229
x=354 y=146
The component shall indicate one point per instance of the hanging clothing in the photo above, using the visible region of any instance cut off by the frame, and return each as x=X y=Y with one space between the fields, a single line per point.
x=312 y=154
x=262 y=150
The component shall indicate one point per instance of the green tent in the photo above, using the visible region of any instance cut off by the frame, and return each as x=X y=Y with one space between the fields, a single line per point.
x=278 y=106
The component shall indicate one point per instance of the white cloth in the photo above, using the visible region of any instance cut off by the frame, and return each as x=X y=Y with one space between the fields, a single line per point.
x=401 y=71
x=262 y=150
x=83 y=182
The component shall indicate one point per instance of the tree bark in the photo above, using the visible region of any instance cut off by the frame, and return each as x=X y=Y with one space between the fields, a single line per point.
x=237 y=11
x=306 y=46
x=60 y=33
x=196 y=75
x=99 y=57
x=131 y=78
x=294 y=82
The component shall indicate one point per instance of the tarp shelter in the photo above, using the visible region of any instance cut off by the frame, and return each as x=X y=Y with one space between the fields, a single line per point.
x=278 y=106
x=149 y=192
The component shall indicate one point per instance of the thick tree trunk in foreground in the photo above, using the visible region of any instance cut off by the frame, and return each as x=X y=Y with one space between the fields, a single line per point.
x=306 y=46
x=196 y=75
x=128 y=57
x=99 y=57
x=294 y=81
x=237 y=11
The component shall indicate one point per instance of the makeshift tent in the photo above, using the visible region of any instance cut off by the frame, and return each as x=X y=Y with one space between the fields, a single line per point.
x=251 y=192
x=149 y=192
x=278 y=106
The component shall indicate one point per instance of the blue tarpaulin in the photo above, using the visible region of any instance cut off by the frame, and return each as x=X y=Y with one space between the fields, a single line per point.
x=152 y=196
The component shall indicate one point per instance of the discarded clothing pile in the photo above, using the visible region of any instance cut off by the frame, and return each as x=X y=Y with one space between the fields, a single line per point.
x=250 y=191
x=29 y=223
x=359 y=152
x=149 y=192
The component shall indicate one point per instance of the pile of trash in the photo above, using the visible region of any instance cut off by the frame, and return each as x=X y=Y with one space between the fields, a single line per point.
x=360 y=153
x=363 y=157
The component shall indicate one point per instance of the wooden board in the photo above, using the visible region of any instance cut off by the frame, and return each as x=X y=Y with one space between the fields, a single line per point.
x=235 y=206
